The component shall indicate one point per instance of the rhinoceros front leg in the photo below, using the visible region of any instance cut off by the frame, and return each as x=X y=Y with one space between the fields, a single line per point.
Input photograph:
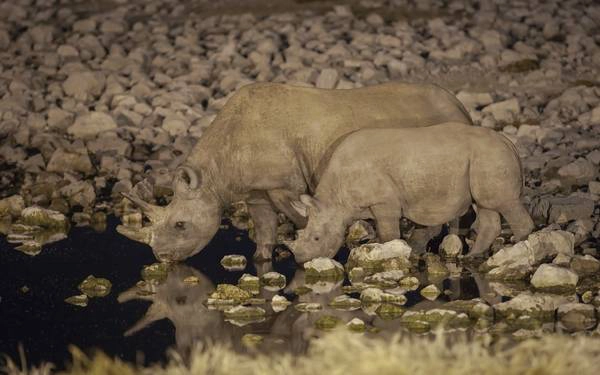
x=265 y=227
x=387 y=221
x=282 y=199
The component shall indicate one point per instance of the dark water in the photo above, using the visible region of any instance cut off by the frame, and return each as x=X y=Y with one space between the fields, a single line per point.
x=45 y=325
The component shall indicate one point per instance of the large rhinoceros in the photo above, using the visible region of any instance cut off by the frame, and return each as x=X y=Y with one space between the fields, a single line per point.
x=264 y=147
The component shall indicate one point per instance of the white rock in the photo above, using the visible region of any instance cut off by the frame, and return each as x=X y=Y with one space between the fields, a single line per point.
x=581 y=170
x=327 y=79
x=451 y=246
x=549 y=276
x=323 y=265
x=431 y=292
x=92 y=124
x=505 y=111
x=84 y=85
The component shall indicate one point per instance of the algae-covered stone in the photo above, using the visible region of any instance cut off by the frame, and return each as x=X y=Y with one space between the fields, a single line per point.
x=576 y=316
x=323 y=286
x=327 y=322
x=78 y=300
x=552 y=278
x=279 y=303
x=380 y=257
x=356 y=274
x=323 y=268
x=355 y=288
x=227 y=294
x=95 y=287
x=44 y=218
x=191 y=280
x=409 y=283
x=273 y=281
x=538 y=305
x=156 y=272
x=475 y=308
x=302 y=290
x=359 y=232
x=243 y=315
x=431 y=292
x=587 y=296
x=435 y=267
x=584 y=265
x=233 y=262
x=345 y=303
x=389 y=311
x=249 y=283
x=356 y=325
x=374 y=295
x=308 y=306
x=385 y=280
x=447 y=318
x=451 y=246
x=12 y=206
x=415 y=321
x=251 y=340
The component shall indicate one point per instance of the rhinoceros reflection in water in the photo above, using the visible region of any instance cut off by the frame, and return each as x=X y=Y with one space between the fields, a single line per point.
x=183 y=305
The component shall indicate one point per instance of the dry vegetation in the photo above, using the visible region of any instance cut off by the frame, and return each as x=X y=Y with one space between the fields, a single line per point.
x=347 y=353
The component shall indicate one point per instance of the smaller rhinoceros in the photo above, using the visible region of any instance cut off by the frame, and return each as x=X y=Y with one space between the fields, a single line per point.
x=429 y=175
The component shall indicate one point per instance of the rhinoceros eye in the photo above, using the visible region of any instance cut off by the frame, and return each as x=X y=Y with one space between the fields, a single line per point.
x=180 y=225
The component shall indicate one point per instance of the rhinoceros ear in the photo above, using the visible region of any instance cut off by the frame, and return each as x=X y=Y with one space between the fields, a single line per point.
x=186 y=180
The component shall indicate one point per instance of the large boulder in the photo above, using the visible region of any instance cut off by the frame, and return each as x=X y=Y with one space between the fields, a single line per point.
x=552 y=278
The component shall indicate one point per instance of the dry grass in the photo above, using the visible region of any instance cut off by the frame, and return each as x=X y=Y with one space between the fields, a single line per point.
x=347 y=353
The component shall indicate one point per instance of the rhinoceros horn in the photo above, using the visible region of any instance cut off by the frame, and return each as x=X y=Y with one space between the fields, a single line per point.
x=140 y=235
x=151 y=211
x=155 y=312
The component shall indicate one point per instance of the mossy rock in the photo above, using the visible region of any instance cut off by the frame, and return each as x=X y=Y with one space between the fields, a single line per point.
x=323 y=269
x=389 y=311
x=279 y=303
x=95 y=286
x=251 y=340
x=229 y=294
x=249 y=283
x=44 y=218
x=357 y=325
x=475 y=308
x=327 y=322
x=234 y=262
x=373 y=258
x=80 y=300
x=415 y=321
x=273 y=281
x=308 y=307
x=345 y=303
x=156 y=272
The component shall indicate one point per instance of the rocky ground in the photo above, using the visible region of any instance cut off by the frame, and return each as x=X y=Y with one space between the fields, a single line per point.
x=96 y=99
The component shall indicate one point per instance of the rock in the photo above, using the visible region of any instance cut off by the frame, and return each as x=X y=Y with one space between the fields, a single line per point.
x=537 y=305
x=308 y=307
x=323 y=268
x=95 y=287
x=409 y=283
x=233 y=262
x=59 y=119
x=375 y=295
x=581 y=171
x=581 y=229
x=244 y=314
x=191 y=280
x=563 y=210
x=389 y=311
x=175 y=125
x=576 y=316
x=584 y=265
x=251 y=341
x=249 y=283
x=84 y=26
x=551 y=278
x=345 y=303
x=595 y=116
x=4 y=40
x=327 y=79
x=451 y=246
x=562 y=260
x=504 y=112
x=594 y=187
x=434 y=266
x=91 y=124
x=78 y=300
x=41 y=217
x=474 y=100
x=273 y=281
x=84 y=86
x=327 y=322
x=227 y=294
x=356 y=325
x=384 y=280
x=431 y=292
x=359 y=232
x=12 y=206
x=279 y=303
x=68 y=162
x=155 y=273
x=380 y=257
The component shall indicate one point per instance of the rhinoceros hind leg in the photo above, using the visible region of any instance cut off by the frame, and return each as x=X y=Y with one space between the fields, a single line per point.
x=519 y=220
x=488 y=228
x=282 y=199
x=265 y=228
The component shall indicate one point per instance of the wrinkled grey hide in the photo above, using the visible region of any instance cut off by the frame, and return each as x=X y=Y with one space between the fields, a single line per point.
x=264 y=147
x=429 y=175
